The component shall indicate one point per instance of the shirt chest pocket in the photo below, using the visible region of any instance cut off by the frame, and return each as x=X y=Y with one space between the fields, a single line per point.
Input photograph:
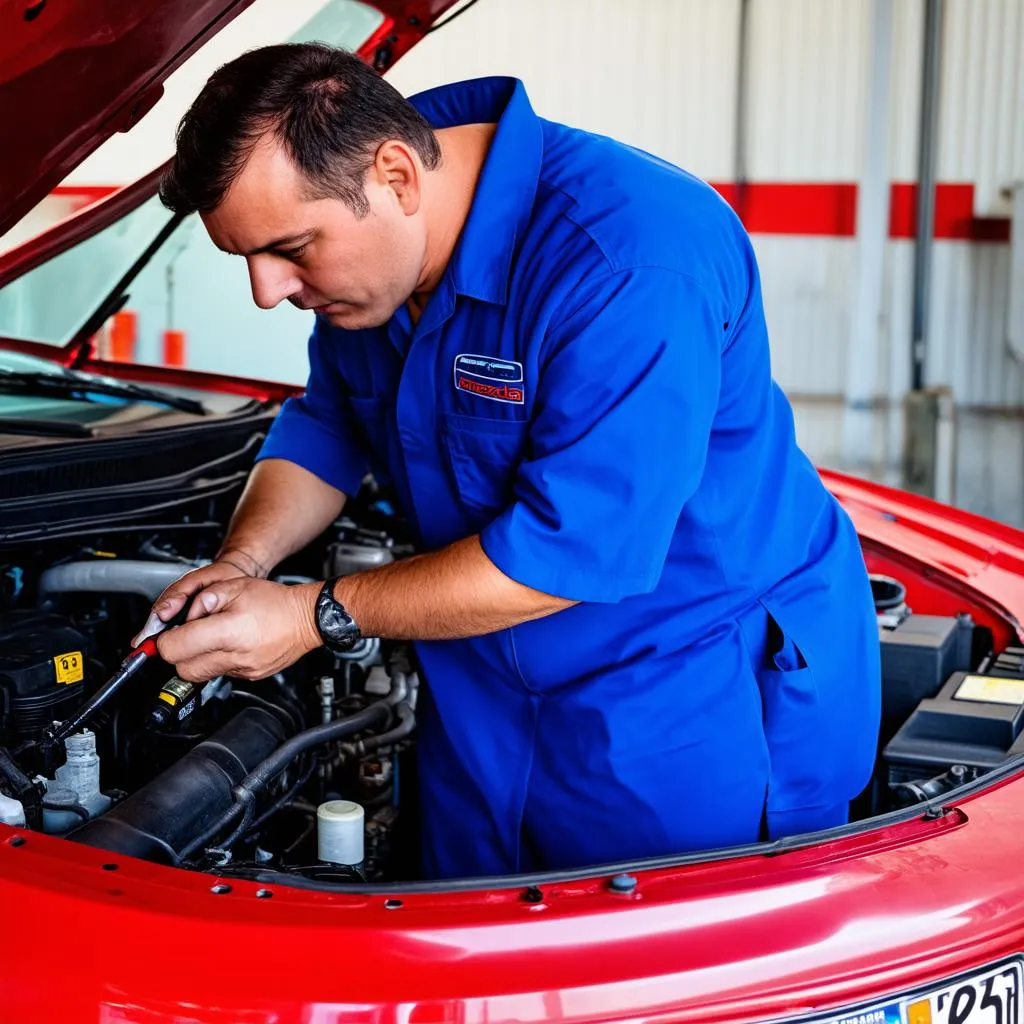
x=482 y=457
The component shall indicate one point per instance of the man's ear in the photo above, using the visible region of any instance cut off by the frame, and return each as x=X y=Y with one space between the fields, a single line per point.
x=397 y=169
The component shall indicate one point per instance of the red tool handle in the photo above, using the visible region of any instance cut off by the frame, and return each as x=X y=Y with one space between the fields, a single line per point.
x=148 y=647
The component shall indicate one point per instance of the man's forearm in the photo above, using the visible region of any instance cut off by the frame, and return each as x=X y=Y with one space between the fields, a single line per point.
x=283 y=508
x=448 y=594
x=252 y=628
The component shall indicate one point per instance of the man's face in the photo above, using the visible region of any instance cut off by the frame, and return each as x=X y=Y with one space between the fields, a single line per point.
x=317 y=253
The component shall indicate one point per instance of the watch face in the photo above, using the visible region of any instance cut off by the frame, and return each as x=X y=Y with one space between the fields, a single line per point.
x=337 y=628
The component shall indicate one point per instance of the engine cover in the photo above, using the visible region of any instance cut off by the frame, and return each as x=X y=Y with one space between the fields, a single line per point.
x=42 y=672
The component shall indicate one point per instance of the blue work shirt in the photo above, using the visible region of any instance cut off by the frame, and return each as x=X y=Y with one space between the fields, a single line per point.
x=589 y=390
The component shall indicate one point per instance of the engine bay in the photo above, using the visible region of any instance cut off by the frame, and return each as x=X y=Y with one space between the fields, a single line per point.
x=300 y=773
x=310 y=774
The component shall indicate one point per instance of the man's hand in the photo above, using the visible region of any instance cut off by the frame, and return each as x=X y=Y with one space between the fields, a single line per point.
x=242 y=627
x=230 y=565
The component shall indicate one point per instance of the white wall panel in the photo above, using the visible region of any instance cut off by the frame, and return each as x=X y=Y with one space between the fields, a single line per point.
x=905 y=100
x=967 y=348
x=658 y=74
x=990 y=466
x=807 y=88
x=806 y=286
x=982 y=136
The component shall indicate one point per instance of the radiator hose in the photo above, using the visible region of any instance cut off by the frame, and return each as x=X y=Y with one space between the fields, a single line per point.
x=245 y=791
x=157 y=821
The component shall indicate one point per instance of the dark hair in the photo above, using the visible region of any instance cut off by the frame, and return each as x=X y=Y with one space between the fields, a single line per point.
x=329 y=109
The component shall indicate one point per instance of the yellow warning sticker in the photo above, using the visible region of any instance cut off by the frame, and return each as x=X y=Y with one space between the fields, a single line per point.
x=70 y=668
x=991 y=690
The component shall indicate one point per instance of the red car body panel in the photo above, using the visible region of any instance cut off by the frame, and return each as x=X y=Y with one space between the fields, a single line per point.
x=842 y=921
x=744 y=939
x=949 y=558
x=73 y=74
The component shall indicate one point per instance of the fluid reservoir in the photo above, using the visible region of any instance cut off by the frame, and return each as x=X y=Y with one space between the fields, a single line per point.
x=77 y=782
x=339 y=832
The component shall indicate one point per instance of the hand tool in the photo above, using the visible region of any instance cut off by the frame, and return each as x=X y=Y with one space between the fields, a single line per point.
x=137 y=657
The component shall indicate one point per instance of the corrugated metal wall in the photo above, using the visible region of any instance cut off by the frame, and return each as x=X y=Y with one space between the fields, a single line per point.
x=662 y=74
x=808 y=60
x=658 y=73
x=983 y=99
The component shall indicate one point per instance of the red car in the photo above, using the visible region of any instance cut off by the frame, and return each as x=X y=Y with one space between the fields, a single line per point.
x=172 y=862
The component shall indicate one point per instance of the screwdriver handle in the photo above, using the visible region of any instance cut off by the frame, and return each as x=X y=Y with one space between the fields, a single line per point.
x=148 y=646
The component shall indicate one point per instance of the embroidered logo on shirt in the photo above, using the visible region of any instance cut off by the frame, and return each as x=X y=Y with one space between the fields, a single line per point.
x=500 y=380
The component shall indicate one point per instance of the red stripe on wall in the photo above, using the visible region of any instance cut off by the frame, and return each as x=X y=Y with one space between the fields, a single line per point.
x=954 y=215
x=791 y=208
x=826 y=209
x=830 y=209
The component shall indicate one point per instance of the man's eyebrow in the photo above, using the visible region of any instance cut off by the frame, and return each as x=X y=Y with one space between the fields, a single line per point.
x=277 y=243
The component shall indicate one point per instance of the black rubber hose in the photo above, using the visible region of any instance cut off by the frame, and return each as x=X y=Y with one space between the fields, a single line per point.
x=50 y=805
x=248 y=801
x=218 y=826
x=288 y=795
x=375 y=713
x=245 y=792
x=406 y=724
x=248 y=824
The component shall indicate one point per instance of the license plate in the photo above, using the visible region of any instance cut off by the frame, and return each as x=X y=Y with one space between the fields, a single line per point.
x=989 y=996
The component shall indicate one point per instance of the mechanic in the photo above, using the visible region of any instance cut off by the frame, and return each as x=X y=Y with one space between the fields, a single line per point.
x=644 y=624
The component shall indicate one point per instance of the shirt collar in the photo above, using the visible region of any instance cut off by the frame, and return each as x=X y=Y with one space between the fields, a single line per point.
x=507 y=185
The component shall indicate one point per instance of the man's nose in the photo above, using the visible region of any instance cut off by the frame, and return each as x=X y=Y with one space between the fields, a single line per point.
x=272 y=281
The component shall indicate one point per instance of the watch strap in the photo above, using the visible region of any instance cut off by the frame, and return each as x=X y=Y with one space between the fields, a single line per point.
x=338 y=630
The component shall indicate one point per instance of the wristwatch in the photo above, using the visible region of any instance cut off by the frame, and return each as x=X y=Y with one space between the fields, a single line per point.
x=338 y=630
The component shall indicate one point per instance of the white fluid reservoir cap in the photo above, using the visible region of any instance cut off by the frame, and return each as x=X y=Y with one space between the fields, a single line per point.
x=339 y=832
x=12 y=812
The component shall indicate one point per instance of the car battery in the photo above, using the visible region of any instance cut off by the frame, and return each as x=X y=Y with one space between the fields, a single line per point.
x=975 y=720
x=918 y=656
x=1009 y=664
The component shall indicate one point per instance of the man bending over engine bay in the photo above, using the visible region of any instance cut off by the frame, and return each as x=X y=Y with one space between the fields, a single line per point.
x=645 y=626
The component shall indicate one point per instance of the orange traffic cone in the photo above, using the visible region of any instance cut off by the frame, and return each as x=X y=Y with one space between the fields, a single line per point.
x=123 y=332
x=174 y=348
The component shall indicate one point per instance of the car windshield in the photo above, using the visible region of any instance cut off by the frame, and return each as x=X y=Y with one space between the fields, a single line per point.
x=203 y=297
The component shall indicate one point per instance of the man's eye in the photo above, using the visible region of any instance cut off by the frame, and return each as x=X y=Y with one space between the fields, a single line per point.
x=293 y=254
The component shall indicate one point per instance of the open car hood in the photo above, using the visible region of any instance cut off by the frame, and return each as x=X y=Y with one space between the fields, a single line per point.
x=73 y=74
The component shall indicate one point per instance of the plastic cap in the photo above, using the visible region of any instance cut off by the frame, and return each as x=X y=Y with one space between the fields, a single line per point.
x=339 y=832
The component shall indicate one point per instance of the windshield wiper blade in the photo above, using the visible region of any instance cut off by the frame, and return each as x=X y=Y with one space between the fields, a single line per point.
x=127 y=389
x=75 y=385
x=43 y=428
